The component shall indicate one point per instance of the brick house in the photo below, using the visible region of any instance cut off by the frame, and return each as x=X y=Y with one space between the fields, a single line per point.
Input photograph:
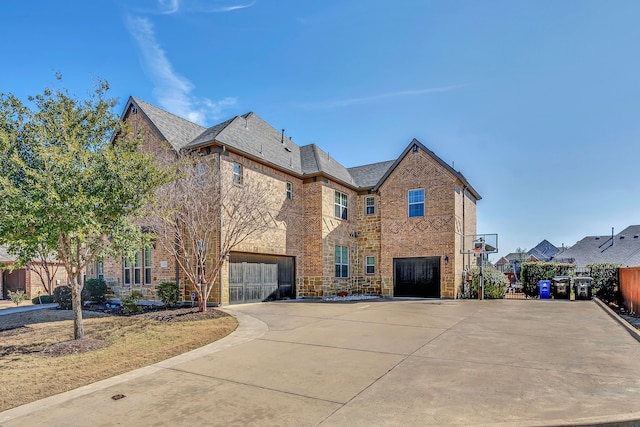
x=28 y=279
x=391 y=228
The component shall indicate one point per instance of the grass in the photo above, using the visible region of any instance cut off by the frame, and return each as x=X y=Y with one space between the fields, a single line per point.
x=29 y=373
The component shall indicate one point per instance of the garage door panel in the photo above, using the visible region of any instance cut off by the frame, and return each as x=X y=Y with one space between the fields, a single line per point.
x=417 y=277
x=255 y=277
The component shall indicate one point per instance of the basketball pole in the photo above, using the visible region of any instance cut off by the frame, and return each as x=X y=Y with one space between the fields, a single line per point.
x=481 y=294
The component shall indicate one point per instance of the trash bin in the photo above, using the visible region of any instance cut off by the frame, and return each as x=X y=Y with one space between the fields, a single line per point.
x=582 y=287
x=545 y=289
x=561 y=287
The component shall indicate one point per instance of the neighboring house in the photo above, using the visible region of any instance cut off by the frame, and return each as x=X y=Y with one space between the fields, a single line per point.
x=543 y=251
x=27 y=279
x=391 y=228
x=622 y=248
x=503 y=265
x=515 y=260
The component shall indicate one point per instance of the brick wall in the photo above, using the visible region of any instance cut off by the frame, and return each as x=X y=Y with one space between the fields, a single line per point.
x=465 y=224
x=434 y=234
x=34 y=284
x=162 y=270
x=286 y=233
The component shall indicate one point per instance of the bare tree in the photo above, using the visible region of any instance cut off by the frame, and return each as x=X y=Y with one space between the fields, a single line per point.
x=45 y=266
x=204 y=213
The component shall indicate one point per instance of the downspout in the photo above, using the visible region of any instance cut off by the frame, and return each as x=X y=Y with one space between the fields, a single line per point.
x=220 y=219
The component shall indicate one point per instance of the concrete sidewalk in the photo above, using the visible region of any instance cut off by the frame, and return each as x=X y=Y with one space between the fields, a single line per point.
x=423 y=362
x=8 y=307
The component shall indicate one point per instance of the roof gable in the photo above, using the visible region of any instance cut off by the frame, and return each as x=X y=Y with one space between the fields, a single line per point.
x=419 y=145
x=252 y=136
x=543 y=250
x=176 y=130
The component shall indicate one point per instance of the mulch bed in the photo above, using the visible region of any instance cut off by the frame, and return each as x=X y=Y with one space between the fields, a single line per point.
x=73 y=347
x=161 y=314
x=633 y=319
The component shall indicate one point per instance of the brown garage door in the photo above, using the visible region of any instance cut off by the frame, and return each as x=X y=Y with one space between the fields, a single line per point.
x=14 y=281
x=417 y=277
x=256 y=277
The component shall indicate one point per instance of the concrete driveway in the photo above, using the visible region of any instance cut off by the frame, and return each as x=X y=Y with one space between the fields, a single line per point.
x=371 y=363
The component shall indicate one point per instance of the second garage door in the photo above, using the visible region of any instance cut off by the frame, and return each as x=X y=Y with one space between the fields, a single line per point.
x=416 y=277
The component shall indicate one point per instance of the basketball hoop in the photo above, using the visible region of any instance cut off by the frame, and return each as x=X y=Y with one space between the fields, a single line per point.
x=478 y=251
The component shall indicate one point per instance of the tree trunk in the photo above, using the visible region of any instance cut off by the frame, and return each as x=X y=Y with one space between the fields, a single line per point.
x=76 y=304
x=202 y=304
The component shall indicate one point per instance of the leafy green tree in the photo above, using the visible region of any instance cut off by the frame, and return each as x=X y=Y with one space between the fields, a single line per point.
x=66 y=185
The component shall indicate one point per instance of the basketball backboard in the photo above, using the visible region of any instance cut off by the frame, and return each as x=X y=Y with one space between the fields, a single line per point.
x=479 y=244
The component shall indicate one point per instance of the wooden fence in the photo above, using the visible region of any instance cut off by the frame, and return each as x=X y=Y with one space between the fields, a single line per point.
x=630 y=288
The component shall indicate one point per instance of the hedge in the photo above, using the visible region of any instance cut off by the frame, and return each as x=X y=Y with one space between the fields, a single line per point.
x=533 y=272
x=495 y=283
x=605 y=279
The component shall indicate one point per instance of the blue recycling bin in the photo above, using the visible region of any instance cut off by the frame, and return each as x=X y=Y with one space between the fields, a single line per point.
x=545 y=289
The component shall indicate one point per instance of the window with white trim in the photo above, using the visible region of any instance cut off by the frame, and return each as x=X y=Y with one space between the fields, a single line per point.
x=342 y=261
x=100 y=270
x=416 y=202
x=137 y=274
x=137 y=270
x=126 y=275
x=237 y=173
x=370 y=265
x=341 y=201
x=369 y=205
x=147 y=266
x=289 y=191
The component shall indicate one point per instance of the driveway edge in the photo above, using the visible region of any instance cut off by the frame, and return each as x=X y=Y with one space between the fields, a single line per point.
x=628 y=326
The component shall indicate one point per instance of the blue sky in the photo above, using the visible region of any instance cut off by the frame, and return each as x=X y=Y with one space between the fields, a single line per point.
x=537 y=103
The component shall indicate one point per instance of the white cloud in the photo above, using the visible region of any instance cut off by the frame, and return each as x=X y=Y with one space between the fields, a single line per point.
x=220 y=9
x=172 y=90
x=168 y=6
x=375 y=98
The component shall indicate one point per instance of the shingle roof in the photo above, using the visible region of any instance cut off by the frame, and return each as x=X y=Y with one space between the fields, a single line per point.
x=316 y=160
x=252 y=136
x=544 y=250
x=623 y=249
x=502 y=261
x=4 y=256
x=369 y=175
x=176 y=130
x=517 y=256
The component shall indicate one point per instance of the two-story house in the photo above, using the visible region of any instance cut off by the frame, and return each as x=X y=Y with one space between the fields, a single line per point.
x=391 y=228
